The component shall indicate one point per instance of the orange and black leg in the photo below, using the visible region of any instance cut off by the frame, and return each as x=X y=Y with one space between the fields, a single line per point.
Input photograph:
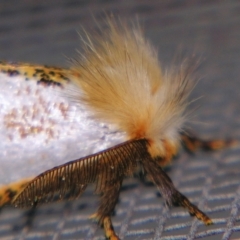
x=192 y=143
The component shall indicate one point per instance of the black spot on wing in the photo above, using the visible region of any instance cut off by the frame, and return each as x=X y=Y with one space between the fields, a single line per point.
x=48 y=82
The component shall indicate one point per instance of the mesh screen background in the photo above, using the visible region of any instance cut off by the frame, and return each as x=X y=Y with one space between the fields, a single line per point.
x=44 y=31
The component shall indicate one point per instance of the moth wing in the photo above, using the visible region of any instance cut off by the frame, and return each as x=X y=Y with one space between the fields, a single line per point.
x=40 y=126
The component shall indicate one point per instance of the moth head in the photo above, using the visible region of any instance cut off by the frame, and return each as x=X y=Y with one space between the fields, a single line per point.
x=122 y=82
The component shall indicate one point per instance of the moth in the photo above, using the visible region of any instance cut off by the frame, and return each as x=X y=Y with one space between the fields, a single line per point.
x=115 y=106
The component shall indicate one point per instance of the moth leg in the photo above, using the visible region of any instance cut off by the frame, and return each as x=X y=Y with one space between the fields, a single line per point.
x=8 y=192
x=108 y=202
x=171 y=195
x=193 y=143
x=109 y=230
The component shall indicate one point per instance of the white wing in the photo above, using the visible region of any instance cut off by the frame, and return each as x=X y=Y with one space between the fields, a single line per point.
x=41 y=128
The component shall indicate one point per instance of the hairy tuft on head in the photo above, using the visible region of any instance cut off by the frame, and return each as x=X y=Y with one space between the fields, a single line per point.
x=121 y=80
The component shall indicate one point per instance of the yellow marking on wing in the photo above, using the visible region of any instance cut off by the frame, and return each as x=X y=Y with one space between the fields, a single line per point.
x=8 y=192
x=43 y=74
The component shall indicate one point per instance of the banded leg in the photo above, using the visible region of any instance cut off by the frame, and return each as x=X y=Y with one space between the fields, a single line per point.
x=107 y=204
x=193 y=143
x=169 y=192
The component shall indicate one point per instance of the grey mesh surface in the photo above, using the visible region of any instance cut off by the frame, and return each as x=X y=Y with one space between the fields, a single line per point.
x=45 y=31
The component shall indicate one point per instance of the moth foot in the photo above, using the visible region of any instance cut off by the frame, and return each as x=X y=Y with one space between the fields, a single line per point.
x=108 y=229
